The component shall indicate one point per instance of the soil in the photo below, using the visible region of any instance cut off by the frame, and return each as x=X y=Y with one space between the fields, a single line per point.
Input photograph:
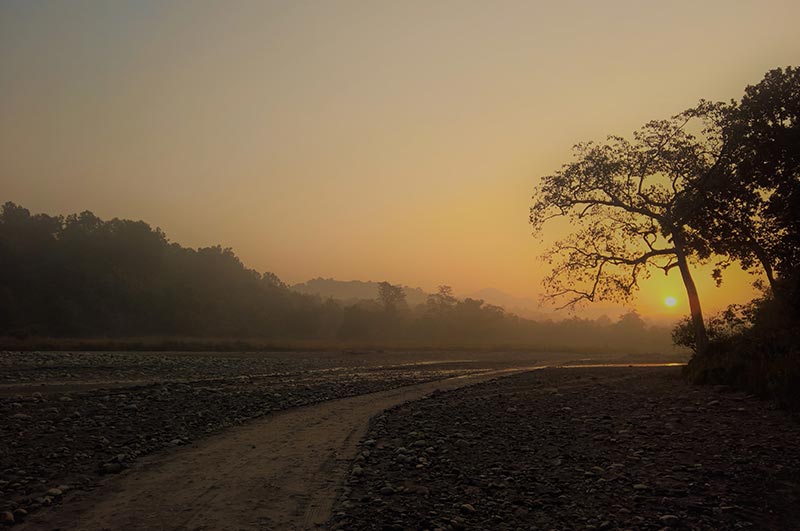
x=590 y=448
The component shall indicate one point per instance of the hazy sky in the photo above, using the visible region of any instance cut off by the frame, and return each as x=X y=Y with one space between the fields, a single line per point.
x=368 y=140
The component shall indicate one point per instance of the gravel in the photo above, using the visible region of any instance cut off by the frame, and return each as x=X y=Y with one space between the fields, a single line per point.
x=66 y=419
x=584 y=449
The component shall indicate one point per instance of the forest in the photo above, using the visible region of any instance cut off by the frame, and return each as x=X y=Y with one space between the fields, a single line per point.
x=79 y=276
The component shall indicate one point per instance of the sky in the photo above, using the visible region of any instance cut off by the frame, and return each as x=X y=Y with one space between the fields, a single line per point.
x=395 y=141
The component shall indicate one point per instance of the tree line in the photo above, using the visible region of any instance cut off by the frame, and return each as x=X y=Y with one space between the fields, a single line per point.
x=79 y=276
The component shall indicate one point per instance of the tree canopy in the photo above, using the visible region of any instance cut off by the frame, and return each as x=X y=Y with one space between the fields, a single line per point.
x=747 y=208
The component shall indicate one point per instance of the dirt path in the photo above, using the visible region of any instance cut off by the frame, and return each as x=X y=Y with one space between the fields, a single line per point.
x=281 y=472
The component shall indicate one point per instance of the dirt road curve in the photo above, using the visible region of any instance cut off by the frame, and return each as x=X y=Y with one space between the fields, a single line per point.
x=278 y=473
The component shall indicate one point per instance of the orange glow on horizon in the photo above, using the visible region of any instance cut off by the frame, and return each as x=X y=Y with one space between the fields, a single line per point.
x=374 y=141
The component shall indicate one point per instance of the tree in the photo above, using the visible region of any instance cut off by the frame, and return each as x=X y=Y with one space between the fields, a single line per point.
x=391 y=297
x=748 y=207
x=624 y=200
x=765 y=132
x=745 y=208
x=442 y=300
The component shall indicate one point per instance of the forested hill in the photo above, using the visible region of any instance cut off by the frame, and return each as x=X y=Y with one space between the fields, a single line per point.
x=78 y=276
x=81 y=276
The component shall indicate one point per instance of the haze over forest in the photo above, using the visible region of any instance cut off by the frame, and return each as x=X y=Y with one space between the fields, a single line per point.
x=79 y=276
x=393 y=142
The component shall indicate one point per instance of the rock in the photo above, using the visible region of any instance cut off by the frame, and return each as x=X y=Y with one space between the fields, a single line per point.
x=20 y=514
x=55 y=492
x=7 y=518
x=422 y=491
x=358 y=471
x=458 y=523
x=20 y=416
x=111 y=468
x=467 y=508
x=386 y=490
x=669 y=519
x=640 y=486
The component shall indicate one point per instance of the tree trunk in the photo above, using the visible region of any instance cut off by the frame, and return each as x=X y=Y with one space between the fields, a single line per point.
x=767 y=266
x=701 y=336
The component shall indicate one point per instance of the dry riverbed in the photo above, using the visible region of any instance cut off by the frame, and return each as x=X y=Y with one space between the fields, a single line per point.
x=68 y=419
x=577 y=449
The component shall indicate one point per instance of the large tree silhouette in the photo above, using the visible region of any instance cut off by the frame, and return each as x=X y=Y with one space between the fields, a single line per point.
x=624 y=201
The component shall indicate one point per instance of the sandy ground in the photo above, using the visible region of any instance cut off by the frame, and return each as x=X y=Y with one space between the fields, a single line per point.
x=282 y=472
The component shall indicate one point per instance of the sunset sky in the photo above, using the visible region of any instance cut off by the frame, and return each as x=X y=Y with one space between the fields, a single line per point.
x=394 y=141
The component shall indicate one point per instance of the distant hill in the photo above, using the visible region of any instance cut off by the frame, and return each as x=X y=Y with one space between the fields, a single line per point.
x=350 y=290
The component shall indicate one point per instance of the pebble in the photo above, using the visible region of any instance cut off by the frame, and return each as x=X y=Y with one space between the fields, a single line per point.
x=669 y=519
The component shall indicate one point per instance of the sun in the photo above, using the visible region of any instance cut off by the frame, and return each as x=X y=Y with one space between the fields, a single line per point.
x=671 y=301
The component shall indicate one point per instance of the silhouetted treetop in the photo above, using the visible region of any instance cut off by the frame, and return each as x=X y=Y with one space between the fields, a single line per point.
x=623 y=201
x=747 y=209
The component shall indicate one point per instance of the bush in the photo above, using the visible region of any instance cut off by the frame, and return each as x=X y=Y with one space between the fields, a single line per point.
x=752 y=348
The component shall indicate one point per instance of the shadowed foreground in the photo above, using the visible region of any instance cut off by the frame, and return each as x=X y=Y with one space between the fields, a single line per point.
x=573 y=448
x=281 y=472
x=601 y=448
